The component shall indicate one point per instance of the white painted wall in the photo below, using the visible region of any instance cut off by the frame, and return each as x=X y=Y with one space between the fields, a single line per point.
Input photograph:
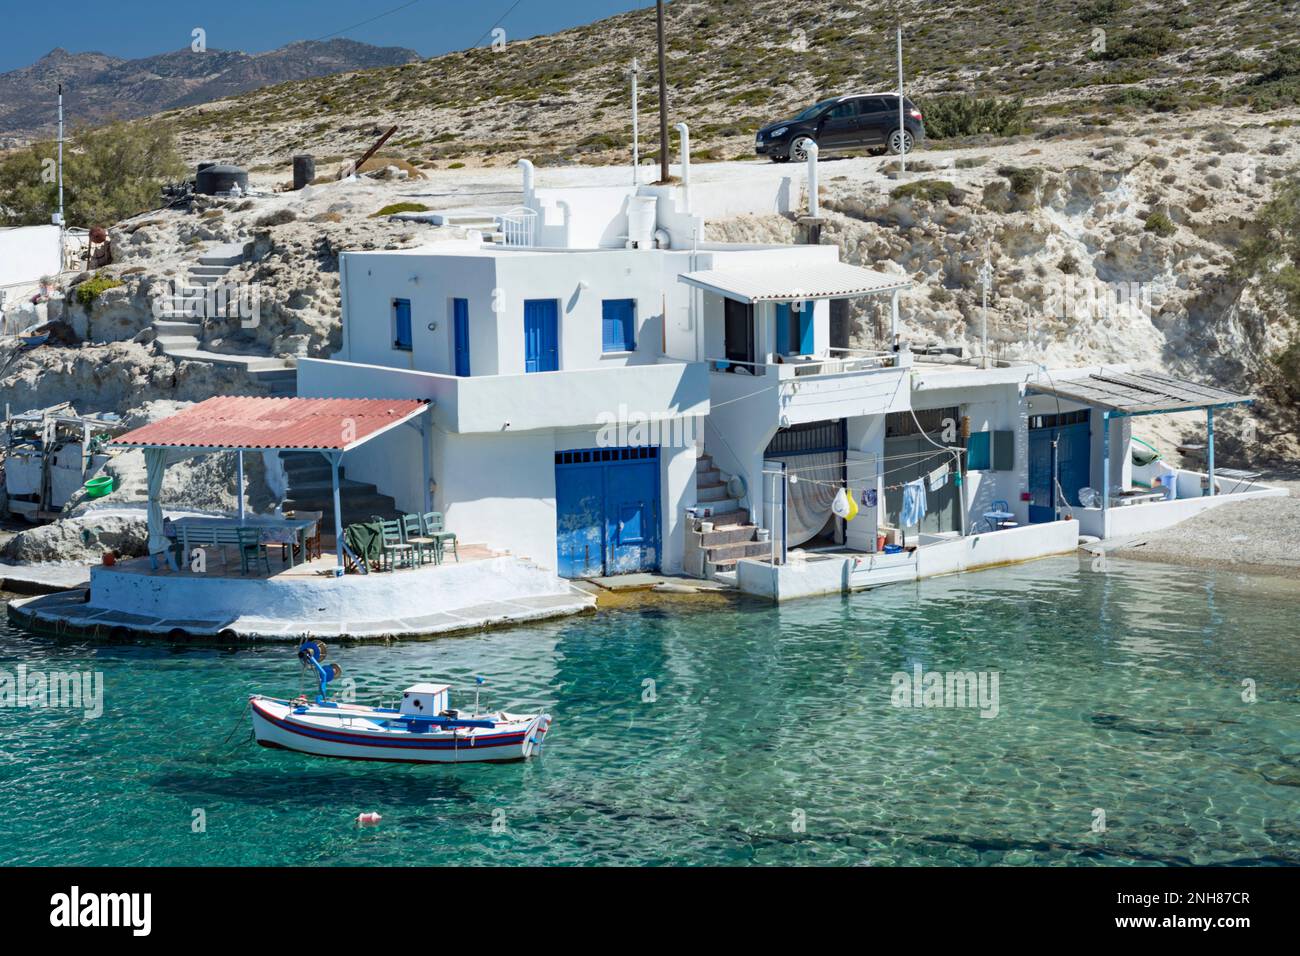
x=29 y=252
x=837 y=574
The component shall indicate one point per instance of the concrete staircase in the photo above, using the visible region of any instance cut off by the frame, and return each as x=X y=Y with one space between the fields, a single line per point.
x=179 y=328
x=733 y=536
x=310 y=489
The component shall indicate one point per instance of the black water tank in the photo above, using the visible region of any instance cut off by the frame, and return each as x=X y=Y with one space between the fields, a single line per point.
x=220 y=178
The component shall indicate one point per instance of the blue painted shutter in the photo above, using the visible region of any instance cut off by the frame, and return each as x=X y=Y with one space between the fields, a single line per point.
x=618 y=325
x=806 y=345
x=460 y=320
x=783 y=328
x=402 y=324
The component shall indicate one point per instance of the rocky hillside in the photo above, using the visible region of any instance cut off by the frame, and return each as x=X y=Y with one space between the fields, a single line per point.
x=98 y=87
x=734 y=64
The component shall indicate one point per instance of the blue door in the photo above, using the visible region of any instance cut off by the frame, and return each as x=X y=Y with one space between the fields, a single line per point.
x=1072 y=466
x=541 y=335
x=460 y=331
x=580 y=520
x=794 y=330
x=607 y=511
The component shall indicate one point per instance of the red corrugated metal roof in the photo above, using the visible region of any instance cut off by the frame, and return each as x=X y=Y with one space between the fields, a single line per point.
x=240 y=422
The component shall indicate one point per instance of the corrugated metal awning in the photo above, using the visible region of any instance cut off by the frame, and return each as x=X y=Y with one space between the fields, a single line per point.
x=1139 y=393
x=795 y=282
x=288 y=424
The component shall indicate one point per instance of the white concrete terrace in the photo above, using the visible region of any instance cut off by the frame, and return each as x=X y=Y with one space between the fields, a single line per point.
x=492 y=404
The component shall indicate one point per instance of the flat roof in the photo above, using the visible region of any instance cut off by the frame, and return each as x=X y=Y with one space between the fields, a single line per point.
x=1139 y=393
x=793 y=282
x=286 y=424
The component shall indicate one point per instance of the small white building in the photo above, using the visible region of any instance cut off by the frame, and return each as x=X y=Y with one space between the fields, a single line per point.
x=611 y=394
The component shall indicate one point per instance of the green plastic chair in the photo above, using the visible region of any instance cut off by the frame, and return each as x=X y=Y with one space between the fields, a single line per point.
x=412 y=533
x=252 y=550
x=396 y=551
x=436 y=529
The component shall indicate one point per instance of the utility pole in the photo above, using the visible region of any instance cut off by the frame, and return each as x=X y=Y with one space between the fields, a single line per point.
x=902 y=129
x=986 y=283
x=636 y=136
x=663 y=96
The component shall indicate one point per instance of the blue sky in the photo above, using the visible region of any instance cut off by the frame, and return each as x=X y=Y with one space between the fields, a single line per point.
x=133 y=28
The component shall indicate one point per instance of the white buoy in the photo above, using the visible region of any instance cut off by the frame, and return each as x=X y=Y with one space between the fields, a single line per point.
x=368 y=819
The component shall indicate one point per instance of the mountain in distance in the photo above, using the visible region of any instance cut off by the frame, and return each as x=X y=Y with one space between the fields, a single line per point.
x=98 y=87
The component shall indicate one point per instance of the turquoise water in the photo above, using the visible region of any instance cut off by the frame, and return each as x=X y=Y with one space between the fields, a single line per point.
x=1118 y=691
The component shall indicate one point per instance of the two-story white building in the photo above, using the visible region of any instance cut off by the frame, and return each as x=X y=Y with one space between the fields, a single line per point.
x=611 y=394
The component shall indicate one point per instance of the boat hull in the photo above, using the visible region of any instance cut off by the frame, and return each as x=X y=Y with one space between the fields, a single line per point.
x=354 y=735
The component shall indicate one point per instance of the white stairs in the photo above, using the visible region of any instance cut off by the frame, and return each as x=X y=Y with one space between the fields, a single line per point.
x=733 y=535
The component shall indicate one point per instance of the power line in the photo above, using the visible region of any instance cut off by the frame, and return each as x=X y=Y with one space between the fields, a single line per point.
x=488 y=32
x=378 y=16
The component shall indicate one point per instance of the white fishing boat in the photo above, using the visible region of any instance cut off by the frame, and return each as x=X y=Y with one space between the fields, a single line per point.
x=423 y=729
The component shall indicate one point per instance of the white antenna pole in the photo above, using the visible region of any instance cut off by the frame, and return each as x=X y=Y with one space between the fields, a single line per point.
x=636 y=138
x=60 y=219
x=902 y=130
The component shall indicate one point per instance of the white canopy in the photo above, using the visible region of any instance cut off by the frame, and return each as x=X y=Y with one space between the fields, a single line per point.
x=795 y=282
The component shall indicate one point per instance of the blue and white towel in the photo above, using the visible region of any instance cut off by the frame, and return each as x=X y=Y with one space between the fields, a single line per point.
x=913 y=503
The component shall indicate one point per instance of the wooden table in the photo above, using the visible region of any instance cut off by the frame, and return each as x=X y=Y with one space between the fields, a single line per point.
x=288 y=531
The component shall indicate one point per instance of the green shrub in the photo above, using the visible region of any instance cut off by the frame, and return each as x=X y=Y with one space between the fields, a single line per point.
x=1160 y=224
x=947 y=116
x=929 y=190
x=109 y=174
x=1143 y=43
x=1278 y=84
x=1023 y=181
x=89 y=291
x=394 y=208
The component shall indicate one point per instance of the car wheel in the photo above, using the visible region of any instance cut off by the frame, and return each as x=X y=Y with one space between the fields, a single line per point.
x=799 y=149
x=900 y=143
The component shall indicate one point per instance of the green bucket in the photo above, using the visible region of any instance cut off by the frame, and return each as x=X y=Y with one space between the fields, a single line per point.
x=98 y=487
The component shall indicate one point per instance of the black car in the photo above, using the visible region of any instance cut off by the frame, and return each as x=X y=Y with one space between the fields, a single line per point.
x=856 y=121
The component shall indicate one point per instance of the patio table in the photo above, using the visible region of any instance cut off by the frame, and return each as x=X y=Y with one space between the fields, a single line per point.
x=274 y=530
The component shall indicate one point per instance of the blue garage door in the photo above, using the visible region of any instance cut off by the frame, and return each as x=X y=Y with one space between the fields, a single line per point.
x=607 y=511
x=1072 y=466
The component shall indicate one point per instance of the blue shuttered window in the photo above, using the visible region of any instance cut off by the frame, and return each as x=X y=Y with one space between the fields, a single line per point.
x=618 y=325
x=402 y=324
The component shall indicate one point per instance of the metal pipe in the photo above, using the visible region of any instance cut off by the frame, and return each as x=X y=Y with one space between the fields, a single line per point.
x=1209 y=449
x=663 y=94
x=240 y=480
x=685 y=133
x=814 y=210
x=1105 y=470
x=338 y=516
x=527 y=166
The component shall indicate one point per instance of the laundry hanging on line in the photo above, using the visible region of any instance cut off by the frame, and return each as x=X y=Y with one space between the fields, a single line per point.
x=939 y=477
x=914 y=503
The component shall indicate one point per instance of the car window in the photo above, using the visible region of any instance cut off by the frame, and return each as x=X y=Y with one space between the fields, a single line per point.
x=844 y=110
x=813 y=110
x=887 y=104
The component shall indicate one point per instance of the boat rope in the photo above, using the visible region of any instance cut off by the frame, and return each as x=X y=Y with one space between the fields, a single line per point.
x=238 y=724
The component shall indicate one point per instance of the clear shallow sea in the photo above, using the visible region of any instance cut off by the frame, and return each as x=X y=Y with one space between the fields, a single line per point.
x=1118 y=691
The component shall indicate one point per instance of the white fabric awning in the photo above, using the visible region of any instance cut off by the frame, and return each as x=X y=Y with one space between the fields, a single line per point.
x=796 y=282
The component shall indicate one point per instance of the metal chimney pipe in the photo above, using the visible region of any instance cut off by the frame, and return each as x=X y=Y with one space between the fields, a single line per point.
x=814 y=210
x=527 y=166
